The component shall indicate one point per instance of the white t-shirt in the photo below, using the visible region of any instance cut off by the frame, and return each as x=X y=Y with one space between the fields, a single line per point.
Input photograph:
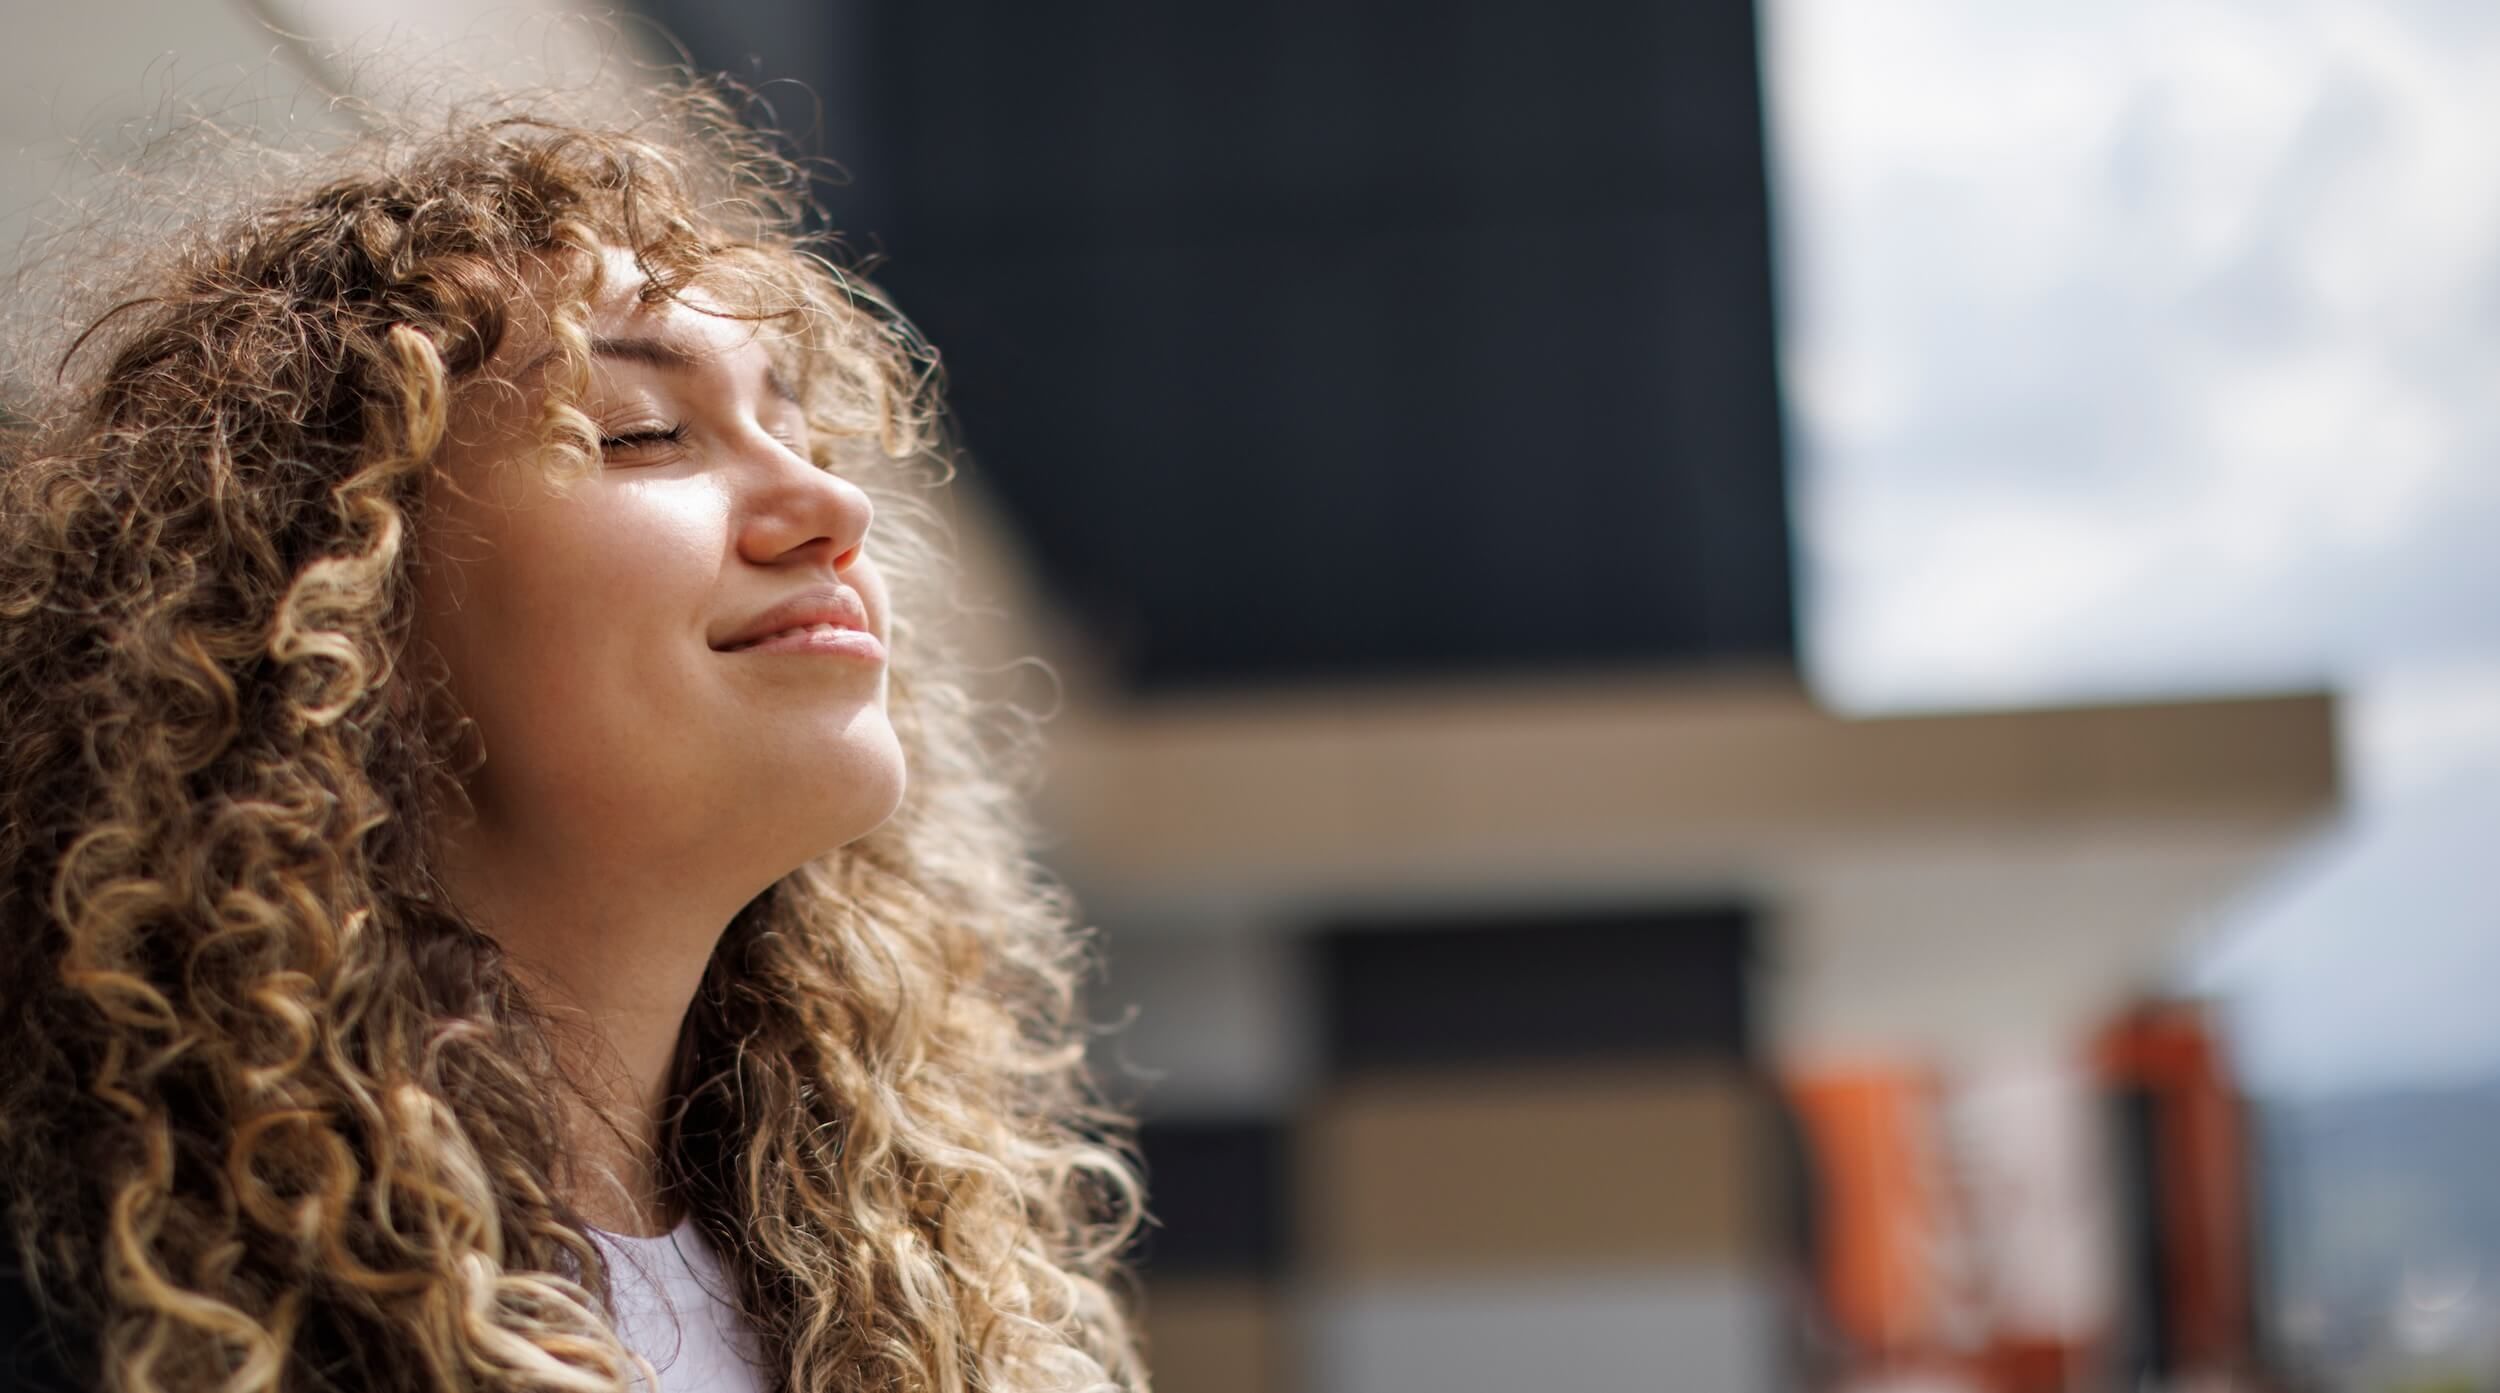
x=672 y=1309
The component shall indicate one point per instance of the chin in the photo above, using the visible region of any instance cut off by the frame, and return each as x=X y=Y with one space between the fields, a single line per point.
x=847 y=789
x=875 y=781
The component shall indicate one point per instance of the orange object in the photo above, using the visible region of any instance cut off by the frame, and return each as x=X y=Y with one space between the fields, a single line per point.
x=1881 y=1212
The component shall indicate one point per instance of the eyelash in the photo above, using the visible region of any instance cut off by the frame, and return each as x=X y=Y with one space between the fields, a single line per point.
x=641 y=439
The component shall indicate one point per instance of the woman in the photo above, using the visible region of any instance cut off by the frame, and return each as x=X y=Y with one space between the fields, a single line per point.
x=486 y=844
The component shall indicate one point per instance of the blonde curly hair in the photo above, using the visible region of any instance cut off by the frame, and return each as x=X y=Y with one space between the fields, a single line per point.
x=275 y=1110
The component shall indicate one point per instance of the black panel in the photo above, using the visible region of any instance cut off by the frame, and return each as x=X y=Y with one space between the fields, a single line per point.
x=1217 y=1190
x=1528 y=989
x=2146 y=1344
x=1358 y=337
x=1309 y=339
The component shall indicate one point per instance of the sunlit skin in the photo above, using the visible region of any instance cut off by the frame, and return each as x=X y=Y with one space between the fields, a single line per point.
x=638 y=786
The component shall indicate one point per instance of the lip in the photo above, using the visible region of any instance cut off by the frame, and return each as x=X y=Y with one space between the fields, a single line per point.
x=783 y=627
x=840 y=643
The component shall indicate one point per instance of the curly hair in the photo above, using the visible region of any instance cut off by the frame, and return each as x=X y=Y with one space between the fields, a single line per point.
x=275 y=1110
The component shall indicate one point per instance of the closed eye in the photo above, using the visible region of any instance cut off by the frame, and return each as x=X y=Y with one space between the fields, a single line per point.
x=643 y=439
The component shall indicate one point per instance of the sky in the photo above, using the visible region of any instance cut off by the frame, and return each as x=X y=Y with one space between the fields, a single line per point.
x=2151 y=348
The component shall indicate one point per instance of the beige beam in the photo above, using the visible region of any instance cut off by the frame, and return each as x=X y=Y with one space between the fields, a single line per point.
x=1620 y=780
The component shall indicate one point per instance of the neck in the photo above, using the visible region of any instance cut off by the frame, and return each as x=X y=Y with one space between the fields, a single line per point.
x=616 y=1056
x=617 y=967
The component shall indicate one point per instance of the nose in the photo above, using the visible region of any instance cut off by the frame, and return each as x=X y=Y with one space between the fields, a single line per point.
x=794 y=509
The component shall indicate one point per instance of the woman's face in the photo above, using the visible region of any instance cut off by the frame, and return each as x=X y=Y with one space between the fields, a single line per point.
x=591 y=631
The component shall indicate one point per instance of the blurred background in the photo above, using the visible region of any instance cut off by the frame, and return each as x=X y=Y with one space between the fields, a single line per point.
x=1755 y=696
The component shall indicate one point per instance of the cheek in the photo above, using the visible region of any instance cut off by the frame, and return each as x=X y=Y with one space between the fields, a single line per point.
x=575 y=612
x=630 y=561
x=873 y=594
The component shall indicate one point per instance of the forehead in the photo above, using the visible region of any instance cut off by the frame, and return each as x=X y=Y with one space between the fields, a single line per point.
x=700 y=317
x=701 y=321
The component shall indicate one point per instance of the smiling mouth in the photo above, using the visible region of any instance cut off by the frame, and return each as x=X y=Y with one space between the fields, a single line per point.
x=815 y=638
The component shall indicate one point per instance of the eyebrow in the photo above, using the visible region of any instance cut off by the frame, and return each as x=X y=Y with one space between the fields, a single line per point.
x=652 y=353
x=676 y=357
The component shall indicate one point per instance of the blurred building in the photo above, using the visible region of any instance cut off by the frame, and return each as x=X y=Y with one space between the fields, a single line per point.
x=1478 y=946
